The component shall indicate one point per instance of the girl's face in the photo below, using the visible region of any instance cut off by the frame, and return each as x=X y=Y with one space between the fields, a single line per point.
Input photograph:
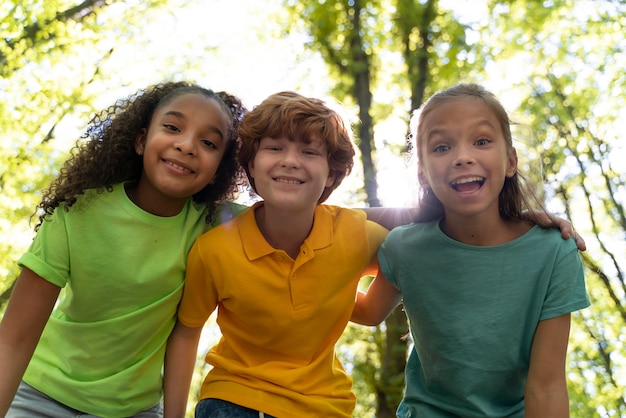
x=290 y=175
x=182 y=150
x=464 y=157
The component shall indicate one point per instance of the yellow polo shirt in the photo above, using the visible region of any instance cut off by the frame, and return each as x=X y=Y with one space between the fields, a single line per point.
x=280 y=318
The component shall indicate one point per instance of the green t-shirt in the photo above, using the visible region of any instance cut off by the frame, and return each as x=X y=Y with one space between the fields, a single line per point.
x=122 y=272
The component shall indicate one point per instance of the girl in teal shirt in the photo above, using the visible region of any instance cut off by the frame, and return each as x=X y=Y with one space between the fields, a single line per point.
x=488 y=295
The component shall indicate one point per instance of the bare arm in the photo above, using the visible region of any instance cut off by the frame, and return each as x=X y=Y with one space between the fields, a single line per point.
x=376 y=304
x=391 y=217
x=546 y=388
x=26 y=316
x=180 y=359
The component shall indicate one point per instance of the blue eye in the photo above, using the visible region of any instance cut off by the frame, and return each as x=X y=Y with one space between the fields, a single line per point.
x=441 y=148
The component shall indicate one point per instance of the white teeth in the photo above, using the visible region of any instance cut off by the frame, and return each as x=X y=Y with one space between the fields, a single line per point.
x=178 y=167
x=288 y=181
x=468 y=180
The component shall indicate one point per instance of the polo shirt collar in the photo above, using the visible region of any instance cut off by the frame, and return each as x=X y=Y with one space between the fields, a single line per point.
x=254 y=243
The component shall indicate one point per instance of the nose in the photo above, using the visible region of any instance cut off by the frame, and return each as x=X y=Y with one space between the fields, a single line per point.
x=185 y=144
x=291 y=157
x=464 y=156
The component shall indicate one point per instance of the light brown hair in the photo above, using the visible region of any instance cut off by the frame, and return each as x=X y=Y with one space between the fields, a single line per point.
x=298 y=118
x=516 y=195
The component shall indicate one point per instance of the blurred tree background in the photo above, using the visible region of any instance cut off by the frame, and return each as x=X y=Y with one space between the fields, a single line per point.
x=557 y=65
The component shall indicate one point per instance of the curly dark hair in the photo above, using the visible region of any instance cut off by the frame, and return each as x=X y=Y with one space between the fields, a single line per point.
x=105 y=154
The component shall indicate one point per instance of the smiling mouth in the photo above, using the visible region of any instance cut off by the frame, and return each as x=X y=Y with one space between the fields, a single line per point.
x=178 y=167
x=287 y=181
x=468 y=184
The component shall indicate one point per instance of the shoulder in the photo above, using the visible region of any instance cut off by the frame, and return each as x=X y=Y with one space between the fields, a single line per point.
x=412 y=239
x=228 y=211
x=336 y=217
x=542 y=238
x=91 y=201
x=226 y=225
x=348 y=222
x=546 y=250
x=225 y=211
x=341 y=212
x=415 y=230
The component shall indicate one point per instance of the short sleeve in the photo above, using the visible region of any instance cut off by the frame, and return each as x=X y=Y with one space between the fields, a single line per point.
x=48 y=255
x=376 y=235
x=200 y=293
x=566 y=292
x=386 y=261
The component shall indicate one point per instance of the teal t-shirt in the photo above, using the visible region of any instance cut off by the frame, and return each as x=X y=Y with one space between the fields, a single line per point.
x=473 y=312
x=122 y=272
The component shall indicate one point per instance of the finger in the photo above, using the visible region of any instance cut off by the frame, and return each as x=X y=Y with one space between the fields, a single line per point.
x=580 y=242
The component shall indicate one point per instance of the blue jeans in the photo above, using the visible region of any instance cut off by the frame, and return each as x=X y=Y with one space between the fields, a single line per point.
x=217 y=408
x=31 y=403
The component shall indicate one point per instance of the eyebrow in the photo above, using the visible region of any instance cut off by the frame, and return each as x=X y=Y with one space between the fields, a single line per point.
x=441 y=131
x=434 y=132
x=485 y=122
x=181 y=115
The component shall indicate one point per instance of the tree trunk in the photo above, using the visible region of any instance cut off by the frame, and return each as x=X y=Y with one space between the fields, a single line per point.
x=363 y=95
x=390 y=388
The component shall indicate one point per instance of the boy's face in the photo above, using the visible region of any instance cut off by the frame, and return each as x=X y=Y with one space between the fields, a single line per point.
x=290 y=174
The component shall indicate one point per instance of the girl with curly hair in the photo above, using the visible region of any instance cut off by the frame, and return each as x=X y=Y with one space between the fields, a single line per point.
x=90 y=314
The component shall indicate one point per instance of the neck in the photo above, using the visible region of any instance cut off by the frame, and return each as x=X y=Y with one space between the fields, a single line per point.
x=481 y=230
x=159 y=207
x=284 y=230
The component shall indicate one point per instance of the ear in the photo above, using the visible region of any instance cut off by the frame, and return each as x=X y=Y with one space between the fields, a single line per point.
x=511 y=164
x=421 y=178
x=332 y=176
x=140 y=141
